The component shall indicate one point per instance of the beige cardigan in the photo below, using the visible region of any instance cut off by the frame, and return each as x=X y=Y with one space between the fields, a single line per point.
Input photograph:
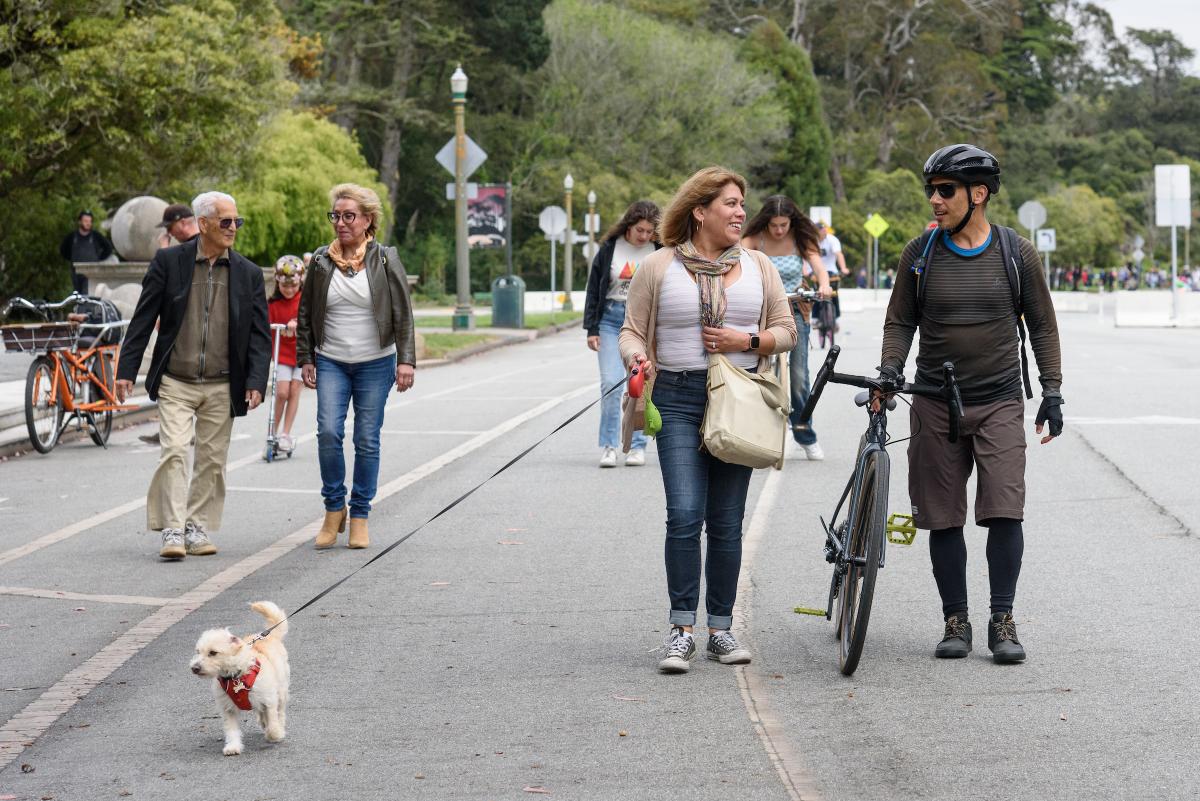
x=641 y=308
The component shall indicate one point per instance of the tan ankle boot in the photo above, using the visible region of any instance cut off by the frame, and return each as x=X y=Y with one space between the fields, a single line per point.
x=358 y=533
x=335 y=523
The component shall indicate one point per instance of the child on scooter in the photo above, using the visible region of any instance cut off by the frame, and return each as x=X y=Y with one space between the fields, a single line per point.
x=283 y=308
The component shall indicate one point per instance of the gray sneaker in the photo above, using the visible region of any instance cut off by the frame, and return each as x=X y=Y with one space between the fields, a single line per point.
x=198 y=543
x=724 y=648
x=680 y=651
x=172 y=544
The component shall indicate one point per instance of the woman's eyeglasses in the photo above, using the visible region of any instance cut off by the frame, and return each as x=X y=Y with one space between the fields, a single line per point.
x=947 y=191
x=236 y=222
x=348 y=217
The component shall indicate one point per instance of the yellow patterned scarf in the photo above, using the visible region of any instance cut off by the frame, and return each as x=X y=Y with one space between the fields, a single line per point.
x=349 y=263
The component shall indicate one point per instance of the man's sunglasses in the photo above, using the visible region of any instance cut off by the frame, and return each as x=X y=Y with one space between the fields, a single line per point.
x=225 y=222
x=947 y=191
x=348 y=217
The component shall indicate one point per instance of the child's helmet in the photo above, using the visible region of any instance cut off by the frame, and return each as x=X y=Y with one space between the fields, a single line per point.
x=289 y=270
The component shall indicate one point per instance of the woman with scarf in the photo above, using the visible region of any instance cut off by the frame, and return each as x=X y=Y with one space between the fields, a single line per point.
x=354 y=340
x=700 y=295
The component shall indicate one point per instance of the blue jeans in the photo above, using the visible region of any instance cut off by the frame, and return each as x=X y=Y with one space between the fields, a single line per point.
x=366 y=384
x=612 y=372
x=702 y=491
x=802 y=430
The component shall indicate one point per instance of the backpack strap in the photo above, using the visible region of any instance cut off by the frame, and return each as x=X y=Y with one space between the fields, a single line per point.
x=1010 y=251
x=920 y=267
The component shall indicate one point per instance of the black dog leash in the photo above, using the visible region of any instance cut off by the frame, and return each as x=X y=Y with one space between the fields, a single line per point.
x=265 y=632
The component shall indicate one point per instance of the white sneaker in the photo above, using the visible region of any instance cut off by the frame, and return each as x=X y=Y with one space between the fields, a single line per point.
x=636 y=458
x=814 y=452
x=286 y=443
x=609 y=459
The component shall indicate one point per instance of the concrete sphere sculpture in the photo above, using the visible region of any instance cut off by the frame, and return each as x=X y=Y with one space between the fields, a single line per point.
x=134 y=230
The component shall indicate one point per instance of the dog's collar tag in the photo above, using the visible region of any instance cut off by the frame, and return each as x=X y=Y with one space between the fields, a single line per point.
x=238 y=687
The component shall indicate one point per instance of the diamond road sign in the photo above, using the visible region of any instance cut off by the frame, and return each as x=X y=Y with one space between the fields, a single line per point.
x=876 y=225
x=475 y=157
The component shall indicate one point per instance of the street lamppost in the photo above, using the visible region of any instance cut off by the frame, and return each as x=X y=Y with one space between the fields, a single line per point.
x=464 y=316
x=591 y=229
x=568 y=237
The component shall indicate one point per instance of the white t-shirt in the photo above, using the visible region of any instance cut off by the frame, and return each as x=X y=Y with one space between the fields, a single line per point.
x=678 y=343
x=830 y=247
x=625 y=262
x=351 y=334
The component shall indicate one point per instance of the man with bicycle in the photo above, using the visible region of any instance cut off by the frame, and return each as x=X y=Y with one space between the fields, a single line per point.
x=972 y=289
x=210 y=365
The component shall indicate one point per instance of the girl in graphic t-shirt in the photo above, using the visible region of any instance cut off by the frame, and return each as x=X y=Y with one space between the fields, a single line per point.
x=621 y=253
x=283 y=308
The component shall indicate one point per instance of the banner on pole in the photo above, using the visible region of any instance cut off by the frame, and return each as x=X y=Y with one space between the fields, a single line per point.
x=486 y=223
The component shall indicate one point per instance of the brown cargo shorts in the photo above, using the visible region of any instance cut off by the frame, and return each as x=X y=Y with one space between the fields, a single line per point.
x=991 y=437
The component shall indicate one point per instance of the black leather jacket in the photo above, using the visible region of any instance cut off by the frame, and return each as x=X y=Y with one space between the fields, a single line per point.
x=389 y=297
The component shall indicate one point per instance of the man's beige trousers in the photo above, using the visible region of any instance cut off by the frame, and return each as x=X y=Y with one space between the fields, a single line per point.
x=173 y=500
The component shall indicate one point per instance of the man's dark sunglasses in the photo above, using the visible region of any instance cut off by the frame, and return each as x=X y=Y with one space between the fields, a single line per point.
x=236 y=222
x=945 y=190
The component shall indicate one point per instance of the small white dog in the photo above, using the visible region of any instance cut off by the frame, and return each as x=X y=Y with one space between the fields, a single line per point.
x=247 y=675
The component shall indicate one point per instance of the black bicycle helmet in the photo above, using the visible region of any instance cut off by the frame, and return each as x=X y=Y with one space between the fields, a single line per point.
x=966 y=163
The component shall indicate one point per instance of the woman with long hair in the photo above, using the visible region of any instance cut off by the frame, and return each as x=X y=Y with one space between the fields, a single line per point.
x=702 y=294
x=789 y=239
x=621 y=253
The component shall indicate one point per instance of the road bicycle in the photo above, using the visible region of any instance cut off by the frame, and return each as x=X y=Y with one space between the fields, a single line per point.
x=856 y=544
x=73 y=377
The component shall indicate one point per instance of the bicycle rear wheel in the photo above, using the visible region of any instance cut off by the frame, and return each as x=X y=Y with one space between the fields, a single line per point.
x=43 y=418
x=100 y=366
x=865 y=547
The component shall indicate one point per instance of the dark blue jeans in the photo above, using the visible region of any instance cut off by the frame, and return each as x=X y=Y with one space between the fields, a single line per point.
x=701 y=491
x=802 y=430
x=366 y=384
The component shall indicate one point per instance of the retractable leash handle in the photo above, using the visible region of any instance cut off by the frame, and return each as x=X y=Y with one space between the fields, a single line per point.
x=637 y=381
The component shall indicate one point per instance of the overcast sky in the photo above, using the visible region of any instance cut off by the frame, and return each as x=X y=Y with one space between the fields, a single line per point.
x=1181 y=17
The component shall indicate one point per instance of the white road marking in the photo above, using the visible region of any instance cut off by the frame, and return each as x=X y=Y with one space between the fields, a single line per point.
x=792 y=772
x=33 y=592
x=23 y=728
x=447 y=433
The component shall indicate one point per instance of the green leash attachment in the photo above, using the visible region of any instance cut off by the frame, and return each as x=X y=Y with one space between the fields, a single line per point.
x=901 y=530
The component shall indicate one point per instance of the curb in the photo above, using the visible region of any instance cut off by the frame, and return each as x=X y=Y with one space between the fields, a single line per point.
x=150 y=411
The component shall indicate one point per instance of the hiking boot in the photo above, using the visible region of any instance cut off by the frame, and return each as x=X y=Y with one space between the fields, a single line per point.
x=172 y=544
x=957 y=642
x=724 y=648
x=609 y=458
x=636 y=458
x=680 y=651
x=197 y=541
x=813 y=452
x=1002 y=639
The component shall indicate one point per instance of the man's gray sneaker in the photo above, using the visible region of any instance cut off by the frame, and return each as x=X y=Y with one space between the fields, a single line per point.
x=198 y=543
x=956 y=643
x=1002 y=639
x=172 y=544
x=680 y=650
x=724 y=648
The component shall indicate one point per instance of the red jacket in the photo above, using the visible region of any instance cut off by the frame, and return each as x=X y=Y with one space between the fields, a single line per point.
x=282 y=310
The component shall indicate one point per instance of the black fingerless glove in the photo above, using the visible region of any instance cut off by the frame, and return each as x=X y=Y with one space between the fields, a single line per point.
x=891 y=376
x=1050 y=411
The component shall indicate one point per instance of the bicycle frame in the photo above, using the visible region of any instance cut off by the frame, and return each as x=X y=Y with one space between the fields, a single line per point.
x=72 y=376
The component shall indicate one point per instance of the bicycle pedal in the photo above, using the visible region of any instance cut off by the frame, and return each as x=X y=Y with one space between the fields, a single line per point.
x=807 y=610
x=900 y=529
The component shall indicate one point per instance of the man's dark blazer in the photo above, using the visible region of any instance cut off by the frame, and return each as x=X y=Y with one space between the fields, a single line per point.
x=164 y=298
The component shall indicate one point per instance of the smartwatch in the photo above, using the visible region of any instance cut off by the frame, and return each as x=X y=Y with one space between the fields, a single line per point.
x=754 y=342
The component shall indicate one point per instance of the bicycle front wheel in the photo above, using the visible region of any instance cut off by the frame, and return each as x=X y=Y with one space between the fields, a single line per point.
x=43 y=417
x=862 y=564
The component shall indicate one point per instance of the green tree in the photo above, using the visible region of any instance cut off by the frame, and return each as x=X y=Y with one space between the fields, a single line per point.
x=1089 y=227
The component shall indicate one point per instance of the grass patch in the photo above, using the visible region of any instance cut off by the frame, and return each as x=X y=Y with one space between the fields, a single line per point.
x=483 y=320
x=438 y=346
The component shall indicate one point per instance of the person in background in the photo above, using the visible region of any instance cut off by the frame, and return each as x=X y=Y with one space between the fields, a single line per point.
x=621 y=253
x=283 y=308
x=84 y=245
x=789 y=240
x=835 y=263
x=702 y=294
x=354 y=340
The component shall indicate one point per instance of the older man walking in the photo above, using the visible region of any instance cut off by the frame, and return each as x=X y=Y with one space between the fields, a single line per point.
x=209 y=365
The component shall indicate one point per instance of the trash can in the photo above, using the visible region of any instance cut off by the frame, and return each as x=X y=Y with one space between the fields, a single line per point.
x=508 y=302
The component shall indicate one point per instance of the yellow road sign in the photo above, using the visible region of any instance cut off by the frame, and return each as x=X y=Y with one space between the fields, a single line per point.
x=876 y=225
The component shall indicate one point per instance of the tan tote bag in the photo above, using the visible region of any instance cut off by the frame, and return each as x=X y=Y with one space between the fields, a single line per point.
x=746 y=419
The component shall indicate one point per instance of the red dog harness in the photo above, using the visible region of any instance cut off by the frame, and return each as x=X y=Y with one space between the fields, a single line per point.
x=238 y=687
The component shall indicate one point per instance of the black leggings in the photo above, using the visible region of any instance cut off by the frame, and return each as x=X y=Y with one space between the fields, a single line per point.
x=948 y=553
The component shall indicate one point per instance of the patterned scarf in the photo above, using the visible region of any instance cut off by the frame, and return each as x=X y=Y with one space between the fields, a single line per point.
x=709 y=279
x=349 y=263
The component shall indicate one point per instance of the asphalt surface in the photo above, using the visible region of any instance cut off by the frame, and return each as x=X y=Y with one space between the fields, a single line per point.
x=503 y=650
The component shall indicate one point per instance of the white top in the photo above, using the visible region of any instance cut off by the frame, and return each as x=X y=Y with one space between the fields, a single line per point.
x=625 y=262
x=677 y=330
x=830 y=247
x=351 y=334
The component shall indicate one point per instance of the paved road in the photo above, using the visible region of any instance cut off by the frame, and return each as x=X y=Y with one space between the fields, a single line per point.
x=504 y=647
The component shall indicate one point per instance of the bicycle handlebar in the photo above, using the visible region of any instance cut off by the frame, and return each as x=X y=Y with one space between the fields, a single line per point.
x=40 y=306
x=948 y=391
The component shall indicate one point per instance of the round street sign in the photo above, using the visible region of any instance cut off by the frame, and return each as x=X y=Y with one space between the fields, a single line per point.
x=590 y=249
x=552 y=220
x=1138 y=255
x=1031 y=214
